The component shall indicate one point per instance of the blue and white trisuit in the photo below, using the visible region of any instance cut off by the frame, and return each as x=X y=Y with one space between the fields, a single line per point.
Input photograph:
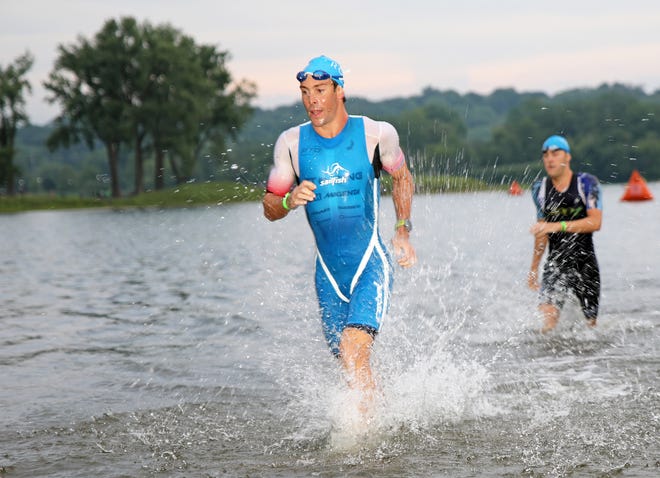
x=353 y=267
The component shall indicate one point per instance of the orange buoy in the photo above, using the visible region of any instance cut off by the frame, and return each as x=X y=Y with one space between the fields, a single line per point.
x=637 y=189
x=515 y=189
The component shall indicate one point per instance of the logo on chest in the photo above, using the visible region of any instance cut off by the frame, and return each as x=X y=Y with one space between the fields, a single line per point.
x=334 y=174
x=562 y=206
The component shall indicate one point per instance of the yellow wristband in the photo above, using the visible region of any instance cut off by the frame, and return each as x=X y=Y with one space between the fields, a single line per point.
x=403 y=223
x=284 y=204
x=564 y=226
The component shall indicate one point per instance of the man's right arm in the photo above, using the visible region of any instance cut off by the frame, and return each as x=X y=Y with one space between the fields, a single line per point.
x=273 y=206
x=281 y=178
x=540 y=240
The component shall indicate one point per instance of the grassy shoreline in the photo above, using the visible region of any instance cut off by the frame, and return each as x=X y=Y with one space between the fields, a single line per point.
x=186 y=195
x=218 y=193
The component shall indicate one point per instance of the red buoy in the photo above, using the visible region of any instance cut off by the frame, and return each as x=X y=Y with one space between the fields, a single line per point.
x=637 y=189
x=515 y=189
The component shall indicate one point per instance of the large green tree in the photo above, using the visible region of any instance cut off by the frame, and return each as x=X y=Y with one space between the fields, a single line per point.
x=89 y=82
x=225 y=111
x=13 y=86
x=190 y=105
x=150 y=89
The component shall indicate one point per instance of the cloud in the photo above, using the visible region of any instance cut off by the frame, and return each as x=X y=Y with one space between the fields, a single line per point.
x=556 y=71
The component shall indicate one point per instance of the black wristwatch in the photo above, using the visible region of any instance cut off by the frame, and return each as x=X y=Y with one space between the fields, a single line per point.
x=405 y=223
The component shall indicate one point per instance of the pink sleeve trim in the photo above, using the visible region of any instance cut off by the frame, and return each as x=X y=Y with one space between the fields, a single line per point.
x=390 y=168
x=277 y=186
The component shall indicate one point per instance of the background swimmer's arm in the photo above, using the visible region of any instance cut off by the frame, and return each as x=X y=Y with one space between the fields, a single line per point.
x=540 y=243
x=591 y=223
x=586 y=225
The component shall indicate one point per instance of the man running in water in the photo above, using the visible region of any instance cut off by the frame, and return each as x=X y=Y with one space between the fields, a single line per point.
x=569 y=209
x=331 y=165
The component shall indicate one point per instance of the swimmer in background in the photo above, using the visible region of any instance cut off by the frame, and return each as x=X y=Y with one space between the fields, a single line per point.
x=569 y=210
x=331 y=165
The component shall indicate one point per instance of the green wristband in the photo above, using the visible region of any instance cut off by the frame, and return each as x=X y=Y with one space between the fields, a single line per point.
x=564 y=226
x=284 y=204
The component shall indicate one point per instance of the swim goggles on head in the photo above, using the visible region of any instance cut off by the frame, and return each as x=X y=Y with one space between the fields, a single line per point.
x=318 y=75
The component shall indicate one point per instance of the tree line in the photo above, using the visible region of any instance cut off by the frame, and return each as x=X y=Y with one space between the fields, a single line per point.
x=138 y=97
x=495 y=138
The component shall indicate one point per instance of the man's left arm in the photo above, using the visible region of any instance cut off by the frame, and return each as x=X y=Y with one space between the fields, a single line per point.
x=402 y=193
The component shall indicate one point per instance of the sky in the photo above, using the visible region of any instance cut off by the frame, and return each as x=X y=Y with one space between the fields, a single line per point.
x=387 y=48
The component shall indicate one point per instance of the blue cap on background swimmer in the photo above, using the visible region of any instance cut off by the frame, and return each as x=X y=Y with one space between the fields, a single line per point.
x=555 y=142
x=322 y=68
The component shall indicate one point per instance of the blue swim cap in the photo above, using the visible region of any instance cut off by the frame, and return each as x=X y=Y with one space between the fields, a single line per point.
x=556 y=142
x=323 y=64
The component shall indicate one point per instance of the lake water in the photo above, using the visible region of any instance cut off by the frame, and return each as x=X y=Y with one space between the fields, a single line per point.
x=186 y=343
